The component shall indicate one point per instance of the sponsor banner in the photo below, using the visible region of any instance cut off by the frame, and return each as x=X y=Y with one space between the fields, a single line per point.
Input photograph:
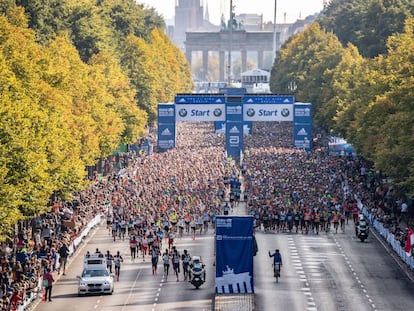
x=234 y=112
x=302 y=112
x=199 y=99
x=268 y=112
x=302 y=126
x=200 y=112
x=268 y=99
x=166 y=126
x=234 y=254
x=166 y=113
x=166 y=135
x=234 y=129
x=220 y=127
x=247 y=128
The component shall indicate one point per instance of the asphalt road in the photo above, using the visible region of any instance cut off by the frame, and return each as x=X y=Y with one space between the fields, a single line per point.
x=321 y=272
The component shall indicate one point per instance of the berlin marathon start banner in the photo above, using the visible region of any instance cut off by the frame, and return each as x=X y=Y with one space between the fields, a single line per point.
x=234 y=254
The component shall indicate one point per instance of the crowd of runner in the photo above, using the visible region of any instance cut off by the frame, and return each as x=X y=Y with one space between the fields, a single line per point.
x=160 y=197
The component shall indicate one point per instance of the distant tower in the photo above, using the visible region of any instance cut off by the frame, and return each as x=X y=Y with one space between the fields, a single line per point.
x=188 y=17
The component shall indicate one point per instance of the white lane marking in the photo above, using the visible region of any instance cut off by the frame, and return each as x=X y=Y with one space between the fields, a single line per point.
x=132 y=289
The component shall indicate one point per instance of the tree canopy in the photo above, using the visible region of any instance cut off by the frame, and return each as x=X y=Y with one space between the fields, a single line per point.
x=77 y=79
x=366 y=23
x=360 y=90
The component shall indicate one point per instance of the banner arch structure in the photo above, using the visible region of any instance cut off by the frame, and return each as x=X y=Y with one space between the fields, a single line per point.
x=232 y=112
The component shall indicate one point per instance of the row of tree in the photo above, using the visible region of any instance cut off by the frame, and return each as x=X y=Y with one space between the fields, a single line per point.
x=360 y=91
x=77 y=79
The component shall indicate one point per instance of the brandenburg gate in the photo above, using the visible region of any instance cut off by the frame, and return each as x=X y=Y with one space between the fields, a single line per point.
x=223 y=41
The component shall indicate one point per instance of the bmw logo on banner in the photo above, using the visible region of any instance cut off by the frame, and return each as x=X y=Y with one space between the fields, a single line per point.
x=233 y=113
x=200 y=108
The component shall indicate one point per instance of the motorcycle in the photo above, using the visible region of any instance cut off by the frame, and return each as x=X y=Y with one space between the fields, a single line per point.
x=197 y=273
x=362 y=232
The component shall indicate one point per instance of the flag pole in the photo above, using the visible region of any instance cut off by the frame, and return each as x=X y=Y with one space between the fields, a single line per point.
x=274 y=30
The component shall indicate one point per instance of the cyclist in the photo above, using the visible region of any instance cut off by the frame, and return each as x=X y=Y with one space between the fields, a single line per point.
x=277 y=262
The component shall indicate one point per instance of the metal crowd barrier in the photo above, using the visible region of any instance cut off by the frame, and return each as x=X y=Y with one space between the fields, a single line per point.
x=388 y=236
x=38 y=290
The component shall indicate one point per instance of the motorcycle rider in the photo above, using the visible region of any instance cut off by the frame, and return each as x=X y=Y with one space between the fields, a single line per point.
x=197 y=263
x=277 y=260
x=360 y=225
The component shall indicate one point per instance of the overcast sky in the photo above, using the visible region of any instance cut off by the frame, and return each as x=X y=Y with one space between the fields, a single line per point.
x=293 y=9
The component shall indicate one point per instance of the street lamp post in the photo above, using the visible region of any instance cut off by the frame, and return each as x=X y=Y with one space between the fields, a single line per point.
x=274 y=31
x=230 y=42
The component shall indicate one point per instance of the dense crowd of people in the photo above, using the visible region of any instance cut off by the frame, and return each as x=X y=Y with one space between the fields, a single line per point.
x=159 y=195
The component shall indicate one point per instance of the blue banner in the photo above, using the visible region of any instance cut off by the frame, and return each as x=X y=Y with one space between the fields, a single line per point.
x=302 y=126
x=269 y=99
x=234 y=129
x=220 y=127
x=166 y=126
x=200 y=112
x=234 y=254
x=199 y=99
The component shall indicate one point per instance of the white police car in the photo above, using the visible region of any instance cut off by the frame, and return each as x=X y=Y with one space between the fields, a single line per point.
x=95 y=277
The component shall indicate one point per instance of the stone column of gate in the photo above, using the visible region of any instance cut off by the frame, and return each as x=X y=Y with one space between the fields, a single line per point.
x=260 y=57
x=243 y=60
x=221 y=65
x=205 y=65
x=188 y=53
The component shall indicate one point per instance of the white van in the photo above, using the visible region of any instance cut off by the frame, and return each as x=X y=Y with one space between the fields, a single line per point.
x=94 y=260
x=95 y=278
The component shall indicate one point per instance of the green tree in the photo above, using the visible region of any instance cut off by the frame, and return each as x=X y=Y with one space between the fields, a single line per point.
x=390 y=118
x=173 y=72
x=46 y=18
x=127 y=17
x=352 y=88
x=308 y=59
x=90 y=31
x=121 y=97
x=137 y=62
x=366 y=23
x=23 y=141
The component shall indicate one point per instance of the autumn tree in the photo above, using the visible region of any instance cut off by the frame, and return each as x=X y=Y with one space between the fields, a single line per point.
x=366 y=23
x=389 y=122
x=308 y=59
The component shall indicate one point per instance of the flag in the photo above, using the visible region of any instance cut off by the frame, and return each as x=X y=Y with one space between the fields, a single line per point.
x=409 y=242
